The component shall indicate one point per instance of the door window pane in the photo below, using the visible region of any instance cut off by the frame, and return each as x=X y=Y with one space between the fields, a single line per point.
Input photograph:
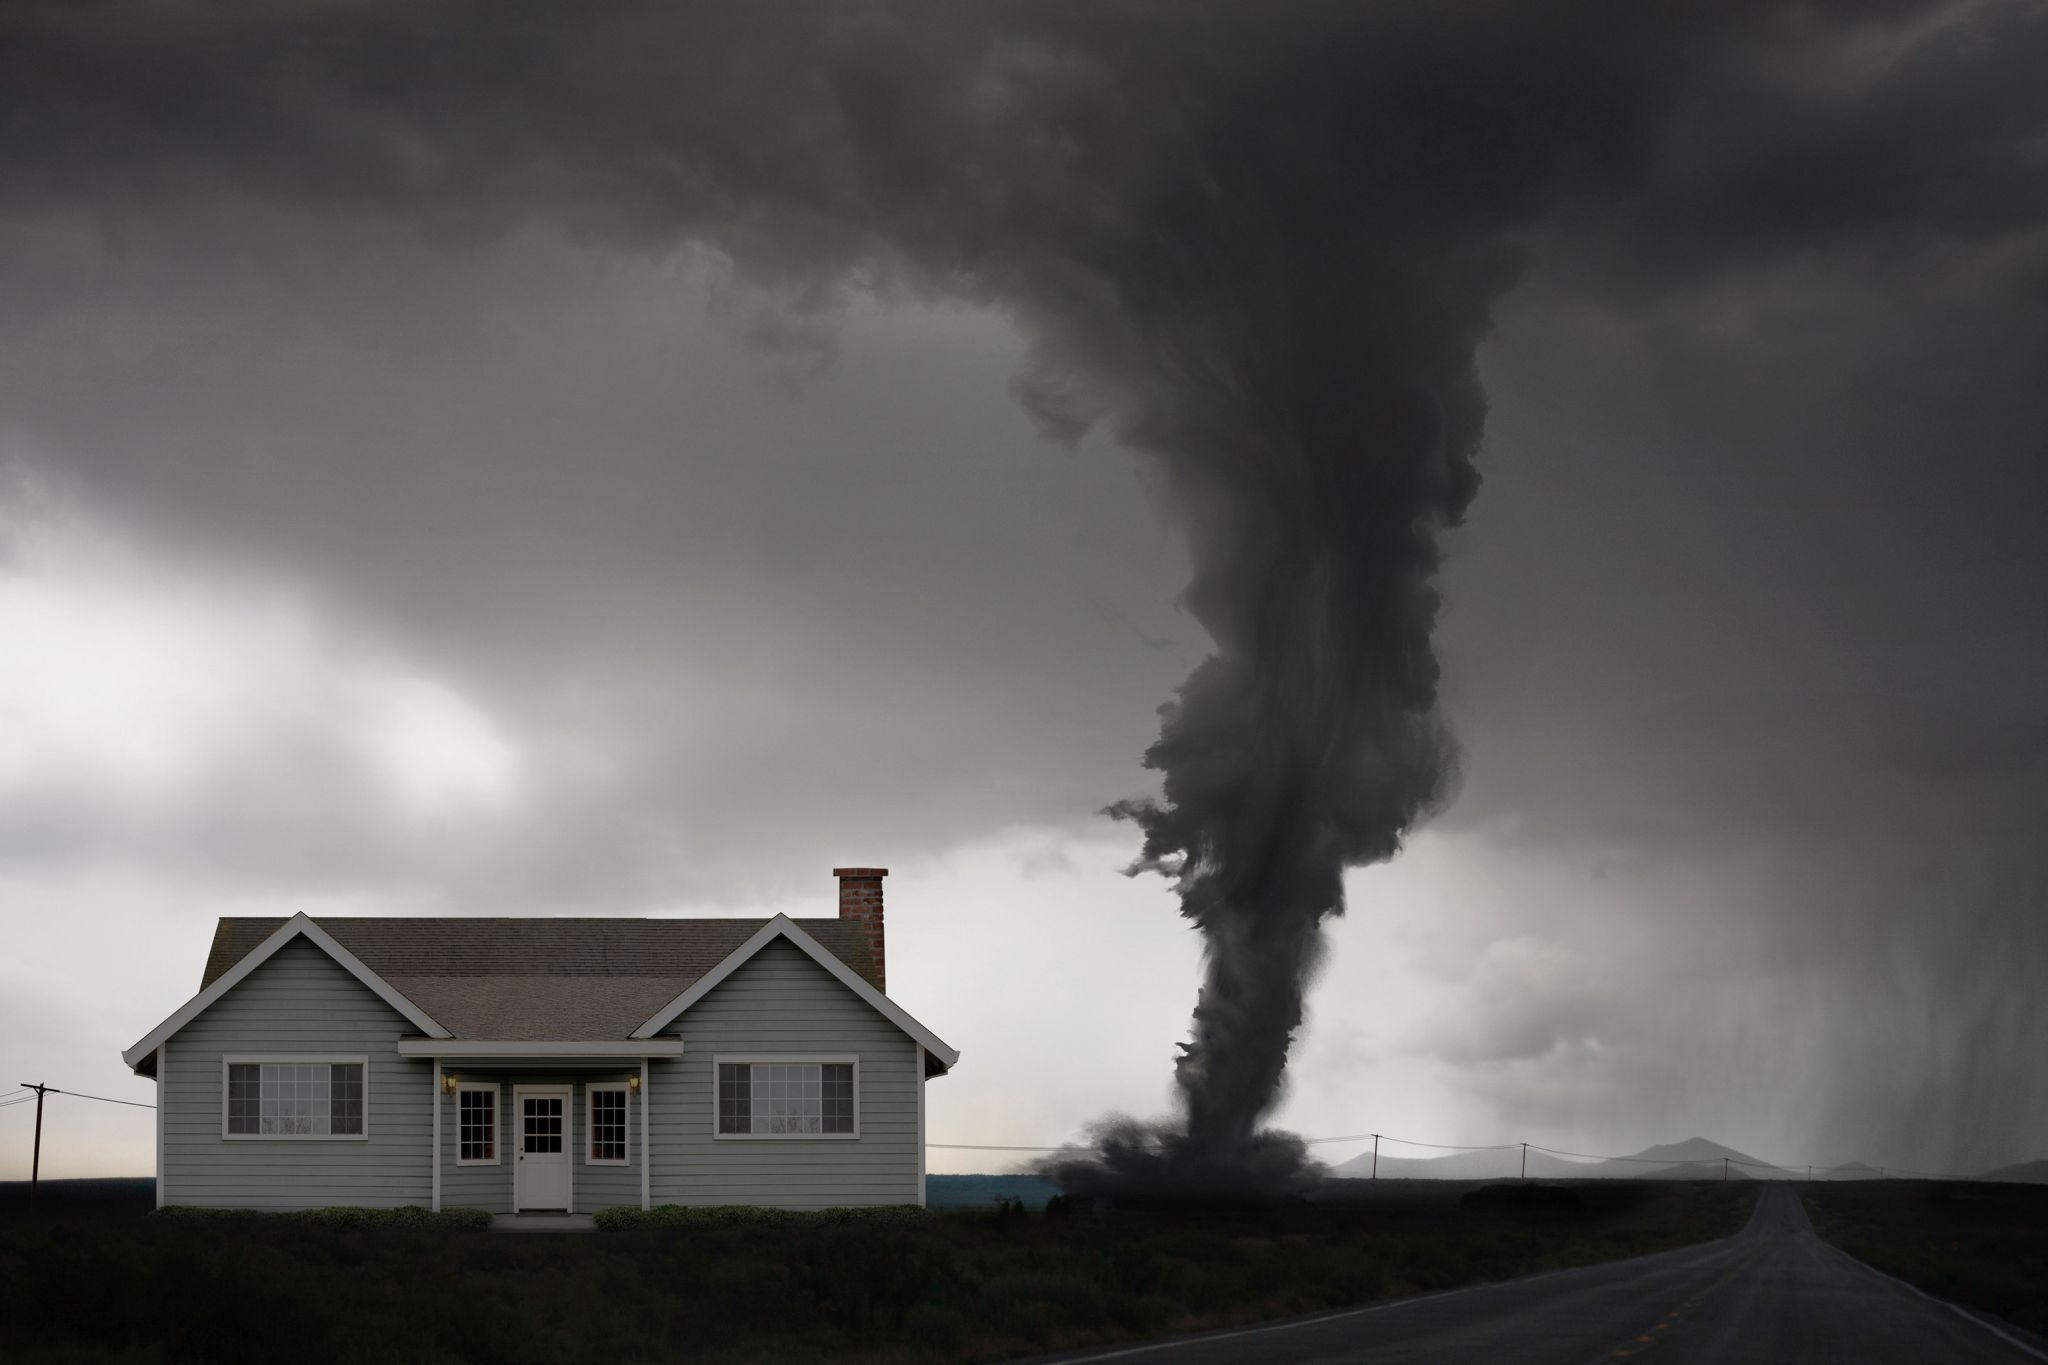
x=542 y=1119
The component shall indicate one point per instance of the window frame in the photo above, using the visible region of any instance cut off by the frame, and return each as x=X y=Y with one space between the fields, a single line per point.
x=590 y=1091
x=494 y=1089
x=234 y=1059
x=785 y=1058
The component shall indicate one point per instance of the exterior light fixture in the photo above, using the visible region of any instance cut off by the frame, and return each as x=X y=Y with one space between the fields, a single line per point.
x=448 y=1081
x=633 y=1082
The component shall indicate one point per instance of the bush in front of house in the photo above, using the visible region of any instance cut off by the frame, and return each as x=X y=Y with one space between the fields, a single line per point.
x=340 y=1215
x=625 y=1219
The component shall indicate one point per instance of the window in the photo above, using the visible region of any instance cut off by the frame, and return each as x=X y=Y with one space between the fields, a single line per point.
x=786 y=1097
x=295 y=1097
x=476 y=1125
x=605 y=1121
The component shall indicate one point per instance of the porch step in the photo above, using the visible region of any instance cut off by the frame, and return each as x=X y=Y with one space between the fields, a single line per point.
x=543 y=1222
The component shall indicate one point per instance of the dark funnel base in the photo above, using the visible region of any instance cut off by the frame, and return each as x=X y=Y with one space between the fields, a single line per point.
x=1160 y=1165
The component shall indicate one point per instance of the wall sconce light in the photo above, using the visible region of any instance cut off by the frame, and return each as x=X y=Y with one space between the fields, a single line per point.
x=448 y=1081
x=633 y=1082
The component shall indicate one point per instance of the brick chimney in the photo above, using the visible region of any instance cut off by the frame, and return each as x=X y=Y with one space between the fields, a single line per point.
x=860 y=897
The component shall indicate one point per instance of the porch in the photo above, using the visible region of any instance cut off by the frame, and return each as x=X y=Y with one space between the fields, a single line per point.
x=541 y=1134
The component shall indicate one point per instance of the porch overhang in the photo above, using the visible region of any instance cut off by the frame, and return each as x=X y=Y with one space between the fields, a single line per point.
x=602 y=1049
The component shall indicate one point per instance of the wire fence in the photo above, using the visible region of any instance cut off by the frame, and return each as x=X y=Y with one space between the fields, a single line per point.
x=1783 y=1170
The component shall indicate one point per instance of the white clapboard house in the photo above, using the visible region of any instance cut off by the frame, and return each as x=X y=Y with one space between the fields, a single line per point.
x=544 y=1064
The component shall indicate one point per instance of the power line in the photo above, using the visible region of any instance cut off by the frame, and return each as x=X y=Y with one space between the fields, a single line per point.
x=76 y=1095
x=137 y=1104
x=1080 y=1147
x=1410 y=1142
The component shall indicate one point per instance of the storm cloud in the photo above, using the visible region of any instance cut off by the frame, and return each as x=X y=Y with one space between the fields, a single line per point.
x=1265 y=251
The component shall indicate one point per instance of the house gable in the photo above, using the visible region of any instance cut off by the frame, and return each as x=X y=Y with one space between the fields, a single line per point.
x=296 y=928
x=782 y=929
x=298 y=1005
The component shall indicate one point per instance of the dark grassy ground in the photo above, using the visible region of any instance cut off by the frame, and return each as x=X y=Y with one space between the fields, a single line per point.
x=89 y=1284
x=130 y=1195
x=1982 y=1245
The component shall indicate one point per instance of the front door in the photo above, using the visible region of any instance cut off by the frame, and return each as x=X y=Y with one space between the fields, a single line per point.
x=541 y=1153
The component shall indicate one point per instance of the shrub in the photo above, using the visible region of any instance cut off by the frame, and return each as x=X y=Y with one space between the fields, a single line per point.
x=754 y=1215
x=338 y=1216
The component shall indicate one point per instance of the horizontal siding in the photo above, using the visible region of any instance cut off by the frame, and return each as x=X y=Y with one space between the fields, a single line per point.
x=781 y=1001
x=300 y=1001
x=490 y=1187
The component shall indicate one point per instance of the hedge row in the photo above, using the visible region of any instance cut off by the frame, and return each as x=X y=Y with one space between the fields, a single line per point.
x=345 y=1215
x=749 y=1215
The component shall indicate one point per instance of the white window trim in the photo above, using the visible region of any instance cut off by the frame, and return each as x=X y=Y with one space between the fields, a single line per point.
x=814 y=1058
x=294 y=1059
x=495 y=1090
x=590 y=1088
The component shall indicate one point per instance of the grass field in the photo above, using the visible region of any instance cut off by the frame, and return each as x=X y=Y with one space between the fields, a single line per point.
x=1982 y=1245
x=94 y=1282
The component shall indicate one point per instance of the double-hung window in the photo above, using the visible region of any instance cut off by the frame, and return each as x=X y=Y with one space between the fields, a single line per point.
x=604 y=1123
x=295 y=1097
x=476 y=1124
x=785 y=1097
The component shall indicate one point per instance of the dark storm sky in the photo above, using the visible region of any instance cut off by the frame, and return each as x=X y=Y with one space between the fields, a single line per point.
x=456 y=459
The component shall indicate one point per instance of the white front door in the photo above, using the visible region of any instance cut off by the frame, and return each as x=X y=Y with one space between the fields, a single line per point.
x=540 y=1177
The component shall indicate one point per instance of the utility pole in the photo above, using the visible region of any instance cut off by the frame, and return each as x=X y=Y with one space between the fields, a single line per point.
x=1525 y=1161
x=1724 y=1170
x=1375 y=1156
x=35 y=1169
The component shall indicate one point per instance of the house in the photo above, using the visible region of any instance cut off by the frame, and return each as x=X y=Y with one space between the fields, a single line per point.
x=528 y=1064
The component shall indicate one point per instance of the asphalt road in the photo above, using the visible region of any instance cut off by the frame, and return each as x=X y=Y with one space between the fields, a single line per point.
x=1772 y=1293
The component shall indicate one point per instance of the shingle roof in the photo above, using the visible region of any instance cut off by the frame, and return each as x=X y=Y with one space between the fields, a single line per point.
x=529 y=979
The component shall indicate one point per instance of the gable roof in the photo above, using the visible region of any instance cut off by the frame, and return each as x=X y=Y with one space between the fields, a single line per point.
x=783 y=927
x=531 y=979
x=281 y=933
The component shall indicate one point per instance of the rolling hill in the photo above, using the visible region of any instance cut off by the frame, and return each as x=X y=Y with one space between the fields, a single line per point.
x=1692 y=1159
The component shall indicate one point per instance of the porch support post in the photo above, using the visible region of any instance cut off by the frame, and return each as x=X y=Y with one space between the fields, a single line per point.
x=646 y=1152
x=437 y=1135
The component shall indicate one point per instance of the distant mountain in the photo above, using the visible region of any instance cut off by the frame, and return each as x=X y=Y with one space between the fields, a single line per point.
x=1693 y=1153
x=1854 y=1170
x=2022 y=1173
x=1489 y=1165
x=1692 y=1159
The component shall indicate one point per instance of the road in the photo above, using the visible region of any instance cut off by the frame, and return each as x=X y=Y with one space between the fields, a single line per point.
x=1772 y=1293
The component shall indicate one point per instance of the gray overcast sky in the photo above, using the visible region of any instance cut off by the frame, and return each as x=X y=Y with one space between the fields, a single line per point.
x=397 y=515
